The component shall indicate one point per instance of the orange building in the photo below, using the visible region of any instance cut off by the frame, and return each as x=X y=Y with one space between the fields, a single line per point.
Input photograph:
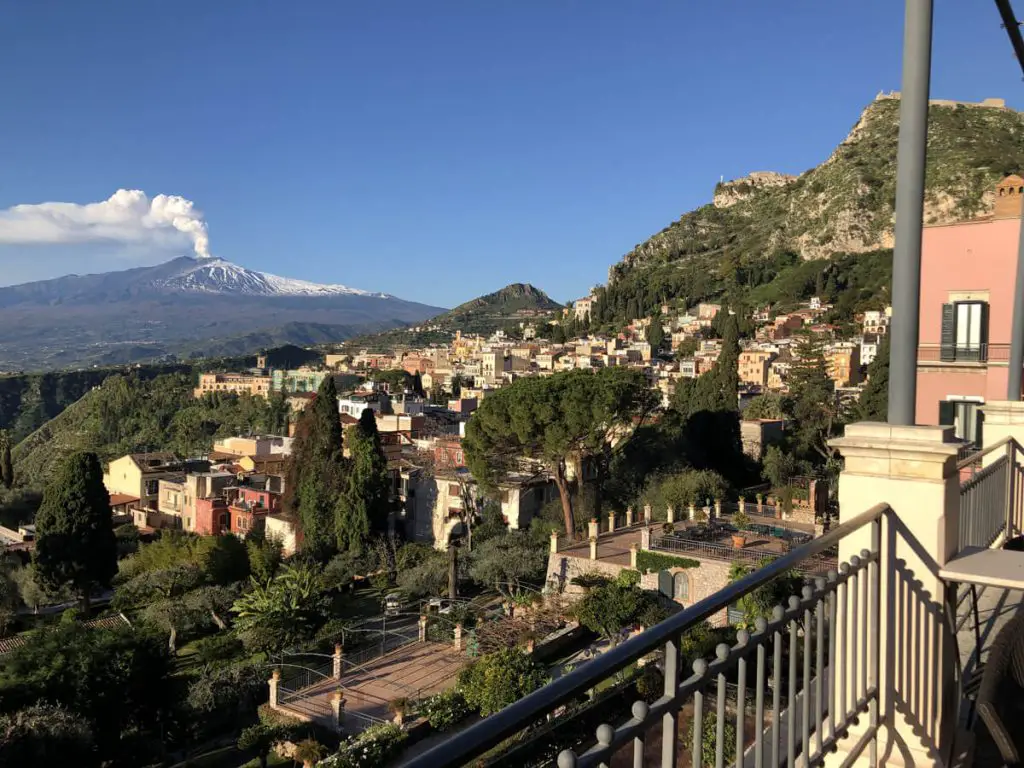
x=753 y=366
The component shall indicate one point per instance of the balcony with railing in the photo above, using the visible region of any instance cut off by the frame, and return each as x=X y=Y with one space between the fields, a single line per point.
x=875 y=660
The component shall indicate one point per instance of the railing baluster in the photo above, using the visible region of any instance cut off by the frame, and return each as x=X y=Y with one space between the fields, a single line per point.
x=863 y=581
x=640 y=710
x=794 y=604
x=700 y=668
x=762 y=627
x=854 y=591
x=669 y=723
x=807 y=593
x=742 y=638
x=819 y=666
x=844 y=568
x=722 y=651
x=605 y=734
x=833 y=656
x=777 y=613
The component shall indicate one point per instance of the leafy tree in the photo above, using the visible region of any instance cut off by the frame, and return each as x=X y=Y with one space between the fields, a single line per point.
x=417 y=384
x=610 y=608
x=690 y=486
x=316 y=471
x=555 y=421
x=363 y=505
x=498 y=679
x=264 y=558
x=557 y=334
x=812 y=394
x=780 y=467
x=427 y=579
x=35 y=594
x=46 y=734
x=709 y=407
x=761 y=602
x=770 y=405
x=508 y=563
x=223 y=698
x=75 y=541
x=282 y=612
x=225 y=559
x=116 y=679
x=873 y=404
x=6 y=467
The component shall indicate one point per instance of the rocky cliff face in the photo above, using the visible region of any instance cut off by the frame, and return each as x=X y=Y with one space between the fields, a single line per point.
x=728 y=193
x=845 y=205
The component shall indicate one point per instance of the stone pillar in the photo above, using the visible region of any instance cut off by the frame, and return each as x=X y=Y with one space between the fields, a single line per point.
x=338 y=707
x=275 y=680
x=645 y=537
x=718 y=508
x=339 y=662
x=629 y=516
x=611 y=521
x=760 y=504
x=670 y=514
x=458 y=637
x=742 y=505
x=593 y=547
x=593 y=531
x=1003 y=419
x=647 y=514
x=554 y=542
x=912 y=468
x=423 y=629
x=692 y=512
x=634 y=550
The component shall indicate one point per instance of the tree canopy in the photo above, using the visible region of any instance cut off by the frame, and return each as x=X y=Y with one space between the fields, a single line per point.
x=555 y=421
x=75 y=541
x=363 y=504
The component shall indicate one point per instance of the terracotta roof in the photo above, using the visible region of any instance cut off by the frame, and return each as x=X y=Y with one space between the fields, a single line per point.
x=221 y=456
x=119 y=499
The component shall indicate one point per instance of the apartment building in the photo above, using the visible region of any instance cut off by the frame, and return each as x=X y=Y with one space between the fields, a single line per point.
x=843 y=361
x=753 y=366
x=139 y=475
x=968 y=273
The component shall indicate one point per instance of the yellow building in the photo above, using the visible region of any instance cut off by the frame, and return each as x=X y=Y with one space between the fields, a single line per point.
x=139 y=475
x=753 y=367
x=235 y=383
x=843 y=362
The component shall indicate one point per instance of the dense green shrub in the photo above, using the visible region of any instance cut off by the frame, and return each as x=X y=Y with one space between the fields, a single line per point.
x=445 y=709
x=373 y=748
x=647 y=561
x=498 y=679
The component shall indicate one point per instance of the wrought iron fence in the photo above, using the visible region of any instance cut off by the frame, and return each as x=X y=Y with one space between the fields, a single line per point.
x=828 y=672
x=991 y=497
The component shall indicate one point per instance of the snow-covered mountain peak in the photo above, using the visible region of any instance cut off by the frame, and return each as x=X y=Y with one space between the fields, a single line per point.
x=215 y=275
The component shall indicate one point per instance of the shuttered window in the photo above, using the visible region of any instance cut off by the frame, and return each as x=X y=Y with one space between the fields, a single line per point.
x=964 y=331
x=965 y=417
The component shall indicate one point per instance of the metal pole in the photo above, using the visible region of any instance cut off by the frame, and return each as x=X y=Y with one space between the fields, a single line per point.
x=910 y=166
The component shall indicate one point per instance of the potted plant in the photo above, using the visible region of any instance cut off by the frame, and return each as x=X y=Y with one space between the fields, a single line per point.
x=309 y=752
x=742 y=522
x=398 y=707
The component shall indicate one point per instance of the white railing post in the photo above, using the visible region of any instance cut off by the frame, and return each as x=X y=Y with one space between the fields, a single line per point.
x=912 y=469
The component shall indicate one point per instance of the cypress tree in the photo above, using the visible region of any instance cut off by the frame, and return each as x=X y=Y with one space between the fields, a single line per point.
x=656 y=334
x=6 y=466
x=75 y=541
x=315 y=470
x=363 y=504
x=873 y=404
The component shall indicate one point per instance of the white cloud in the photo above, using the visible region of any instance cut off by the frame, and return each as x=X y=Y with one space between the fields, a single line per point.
x=128 y=216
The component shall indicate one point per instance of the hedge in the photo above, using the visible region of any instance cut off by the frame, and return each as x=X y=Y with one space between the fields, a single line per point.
x=647 y=561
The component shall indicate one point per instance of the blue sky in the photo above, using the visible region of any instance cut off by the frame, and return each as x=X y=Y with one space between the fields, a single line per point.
x=439 y=150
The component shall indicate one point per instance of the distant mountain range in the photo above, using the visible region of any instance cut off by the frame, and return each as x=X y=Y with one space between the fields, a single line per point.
x=180 y=307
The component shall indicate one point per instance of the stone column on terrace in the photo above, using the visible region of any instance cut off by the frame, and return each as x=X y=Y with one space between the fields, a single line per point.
x=274 y=682
x=629 y=516
x=912 y=469
x=554 y=542
x=611 y=521
x=648 y=519
x=670 y=514
x=423 y=629
x=645 y=537
x=634 y=551
x=338 y=662
x=592 y=528
x=593 y=547
x=338 y=707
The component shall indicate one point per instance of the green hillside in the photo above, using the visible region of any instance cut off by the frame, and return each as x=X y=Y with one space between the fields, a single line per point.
x=131 y=413
x=767 y=228
x=486 y=314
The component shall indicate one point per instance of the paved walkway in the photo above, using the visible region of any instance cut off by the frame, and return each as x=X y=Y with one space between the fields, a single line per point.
x=413 y=671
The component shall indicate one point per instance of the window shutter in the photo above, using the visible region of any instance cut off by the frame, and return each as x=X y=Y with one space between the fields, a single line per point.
x=980 y=420
x=665 y=583
x=948 y=337
x=947 y=413
x=984 y=336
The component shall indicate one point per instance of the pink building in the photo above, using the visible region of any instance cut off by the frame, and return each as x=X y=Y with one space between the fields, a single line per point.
x=968 y=272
